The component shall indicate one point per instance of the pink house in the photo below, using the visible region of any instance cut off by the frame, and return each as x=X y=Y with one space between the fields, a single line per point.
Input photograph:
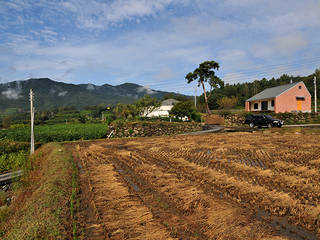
x=293 y=97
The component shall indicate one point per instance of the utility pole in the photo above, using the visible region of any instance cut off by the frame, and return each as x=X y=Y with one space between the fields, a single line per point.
x=32 y=121
x=315 y=93
x=195 y=97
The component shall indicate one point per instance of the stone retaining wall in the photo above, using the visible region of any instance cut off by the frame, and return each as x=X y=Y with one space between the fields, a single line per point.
x=148 y=129
x=288 y=118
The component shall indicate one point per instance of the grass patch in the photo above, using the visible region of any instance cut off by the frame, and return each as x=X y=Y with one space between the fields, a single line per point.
x=42 y=206
x=74 y=201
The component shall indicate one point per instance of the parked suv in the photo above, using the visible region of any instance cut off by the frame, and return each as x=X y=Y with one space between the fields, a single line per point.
x=262 y=120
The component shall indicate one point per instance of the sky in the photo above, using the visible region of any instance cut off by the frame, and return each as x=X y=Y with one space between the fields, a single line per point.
x=155 y=43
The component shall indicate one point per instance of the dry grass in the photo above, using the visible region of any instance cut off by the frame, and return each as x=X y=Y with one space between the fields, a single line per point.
x=122 y=215
x=217 y=220
x=40 y=209
x=193 y=174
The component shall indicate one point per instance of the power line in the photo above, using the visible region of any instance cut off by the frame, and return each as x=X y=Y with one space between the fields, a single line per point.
x=255 y=74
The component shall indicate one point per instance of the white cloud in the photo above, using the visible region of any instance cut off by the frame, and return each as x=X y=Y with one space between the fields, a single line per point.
x=234 y=59
x=289 y=44
x=284 y=45
x=165 y=74
x=99 y=15
x=90 y=87
x=146 y=90
x=62 y=94
x=52 y=91
x=241 y=35
x=13 y=93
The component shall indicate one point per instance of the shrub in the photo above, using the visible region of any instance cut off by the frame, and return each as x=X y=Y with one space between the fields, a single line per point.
x=224 y=113
x=6 y=122
x=195 y=116
x=109 y=118
x=182 y=109
x=227 y=102
x=119 y=122
x=12 y=161
x=18 y=125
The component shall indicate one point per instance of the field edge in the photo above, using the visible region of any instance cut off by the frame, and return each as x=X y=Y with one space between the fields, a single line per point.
x=42 y=202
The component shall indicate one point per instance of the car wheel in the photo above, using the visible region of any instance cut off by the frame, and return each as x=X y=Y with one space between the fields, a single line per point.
x=269 y=125
x=251 y=125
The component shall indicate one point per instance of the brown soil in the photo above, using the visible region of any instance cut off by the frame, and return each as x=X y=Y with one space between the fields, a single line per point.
x=222 y=186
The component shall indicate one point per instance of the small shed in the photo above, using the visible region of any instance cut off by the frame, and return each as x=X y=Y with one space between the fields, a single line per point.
x=293 y=97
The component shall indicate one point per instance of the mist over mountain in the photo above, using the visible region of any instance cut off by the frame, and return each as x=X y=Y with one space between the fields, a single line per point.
x=50 y=94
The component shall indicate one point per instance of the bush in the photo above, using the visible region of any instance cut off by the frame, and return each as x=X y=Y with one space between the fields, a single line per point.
x=6 y=122
x=12 y=161
x=195 y=116
x=82 y=118
x=227 y=102
x=119 y=122
x=224 y=113
x=182 y=109
x=7 y=146
x=18 y=125
x=109 y=118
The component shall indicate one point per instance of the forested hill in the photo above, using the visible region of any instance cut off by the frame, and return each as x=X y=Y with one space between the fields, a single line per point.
x=50 y=94
x=243 y=91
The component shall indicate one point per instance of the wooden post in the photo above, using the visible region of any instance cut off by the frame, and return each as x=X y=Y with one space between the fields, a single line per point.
x=195 y=97
x=315 y=94
x=32 y=122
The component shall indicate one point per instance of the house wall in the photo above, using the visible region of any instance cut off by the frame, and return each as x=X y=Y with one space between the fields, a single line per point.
x=251 y=105
x=247 y=106
x=287 y=102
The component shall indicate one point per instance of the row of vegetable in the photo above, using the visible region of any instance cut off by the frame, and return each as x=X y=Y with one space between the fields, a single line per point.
x=14 y=142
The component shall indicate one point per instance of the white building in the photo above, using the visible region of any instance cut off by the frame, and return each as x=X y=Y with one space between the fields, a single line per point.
x=164 y=109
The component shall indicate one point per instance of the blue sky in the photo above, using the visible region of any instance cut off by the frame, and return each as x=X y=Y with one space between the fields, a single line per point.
x=155 y=43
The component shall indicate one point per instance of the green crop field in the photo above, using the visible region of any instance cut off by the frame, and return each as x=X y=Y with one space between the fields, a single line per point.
x=12 y=155
x=15 y=147
x=56 y=133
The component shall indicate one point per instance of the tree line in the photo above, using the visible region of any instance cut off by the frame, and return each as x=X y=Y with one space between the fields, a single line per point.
x=234 y=95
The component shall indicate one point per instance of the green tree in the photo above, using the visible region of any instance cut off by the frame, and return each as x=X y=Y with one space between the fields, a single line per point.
x=205 y=73
x=317 y=74
x=146 y=105
x=182 y=109
x=122 y=111
x=227 y=102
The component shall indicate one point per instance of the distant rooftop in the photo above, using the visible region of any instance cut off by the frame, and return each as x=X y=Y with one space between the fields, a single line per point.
x=272 y=92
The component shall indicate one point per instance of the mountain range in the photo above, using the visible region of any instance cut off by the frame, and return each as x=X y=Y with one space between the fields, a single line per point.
x=49 y=94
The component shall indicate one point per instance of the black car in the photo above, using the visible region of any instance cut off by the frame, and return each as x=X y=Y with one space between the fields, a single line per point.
x=262 y=120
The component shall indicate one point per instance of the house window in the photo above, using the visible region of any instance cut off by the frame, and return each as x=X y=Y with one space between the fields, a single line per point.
x=299 y=87
x=255 y=106
x=264 y=105
x=272 y=103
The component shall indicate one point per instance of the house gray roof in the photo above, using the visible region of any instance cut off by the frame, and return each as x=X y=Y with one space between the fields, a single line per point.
x=272 y=92
x=169 y=102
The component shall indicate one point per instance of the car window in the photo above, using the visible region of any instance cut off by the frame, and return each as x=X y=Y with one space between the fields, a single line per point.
x=269 y=117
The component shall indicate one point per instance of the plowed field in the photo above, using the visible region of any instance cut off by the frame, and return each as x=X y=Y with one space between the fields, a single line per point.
x=217 y=186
